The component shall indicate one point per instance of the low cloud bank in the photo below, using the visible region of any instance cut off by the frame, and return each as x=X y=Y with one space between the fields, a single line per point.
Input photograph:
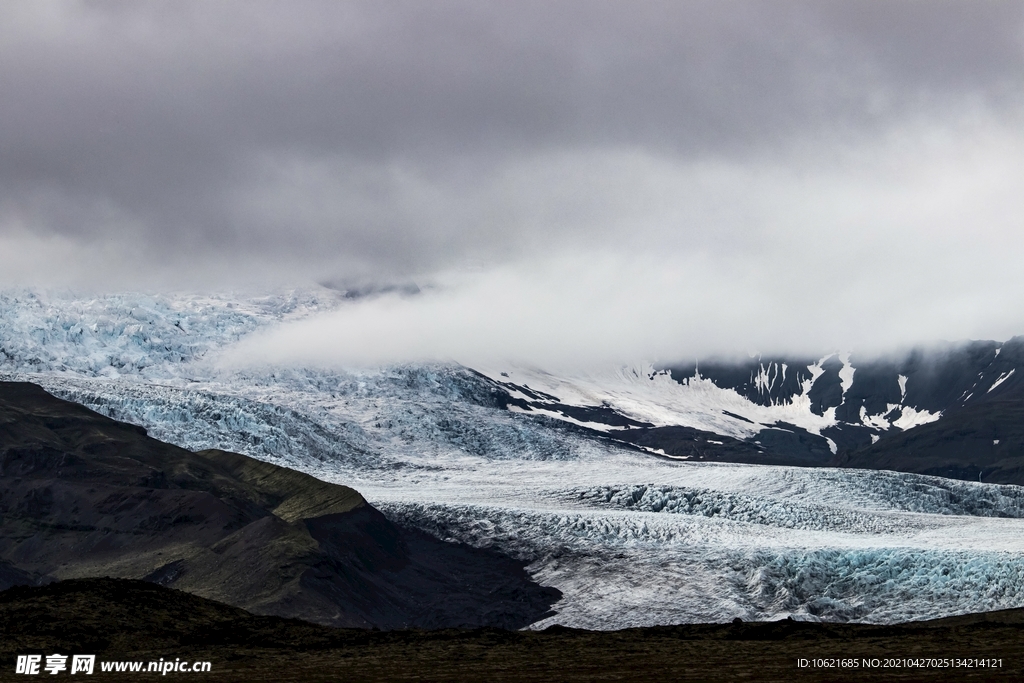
x=913 y=239
x=616 y=255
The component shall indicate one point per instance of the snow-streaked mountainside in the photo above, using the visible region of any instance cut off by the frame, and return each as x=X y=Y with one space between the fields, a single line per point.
x=665 y=397
x=796 y=409
x=561 y=471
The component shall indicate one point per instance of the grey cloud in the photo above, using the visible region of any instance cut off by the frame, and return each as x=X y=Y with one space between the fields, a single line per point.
x=352 y=136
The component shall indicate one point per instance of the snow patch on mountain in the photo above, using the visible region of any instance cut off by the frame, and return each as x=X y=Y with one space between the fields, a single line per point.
x=1002 y=378
x=846 y=372
x=642 y=393
x=911 y=417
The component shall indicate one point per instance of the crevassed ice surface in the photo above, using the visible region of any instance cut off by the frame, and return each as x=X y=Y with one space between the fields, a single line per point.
x=629 y=539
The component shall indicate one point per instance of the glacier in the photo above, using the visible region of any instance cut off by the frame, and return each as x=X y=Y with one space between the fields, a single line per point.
x=630 y=538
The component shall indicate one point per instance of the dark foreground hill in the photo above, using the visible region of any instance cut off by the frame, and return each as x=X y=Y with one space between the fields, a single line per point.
x=119 y=620
x=82 y=495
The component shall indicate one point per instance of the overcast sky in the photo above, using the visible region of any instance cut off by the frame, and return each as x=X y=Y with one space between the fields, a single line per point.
x=633 y=177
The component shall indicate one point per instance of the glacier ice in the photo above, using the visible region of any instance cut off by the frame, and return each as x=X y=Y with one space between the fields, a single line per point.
x=629 y=539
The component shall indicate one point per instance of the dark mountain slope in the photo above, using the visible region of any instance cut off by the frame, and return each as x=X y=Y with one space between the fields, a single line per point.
x=969 y=395
x=983 y=442
x=782 y=444
x=937 y=378
x=83 y=495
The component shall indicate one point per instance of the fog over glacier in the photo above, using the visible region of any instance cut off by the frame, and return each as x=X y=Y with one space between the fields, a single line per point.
x=629 y=538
